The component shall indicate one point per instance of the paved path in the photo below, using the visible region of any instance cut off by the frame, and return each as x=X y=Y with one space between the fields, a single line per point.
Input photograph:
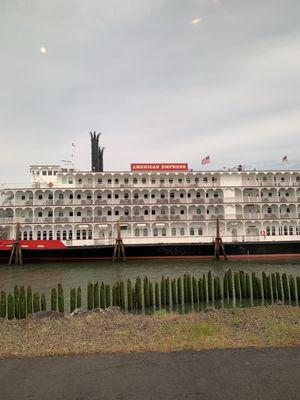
x=220 y=374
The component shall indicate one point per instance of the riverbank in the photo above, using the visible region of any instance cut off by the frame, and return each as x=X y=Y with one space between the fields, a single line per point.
x=114 y=331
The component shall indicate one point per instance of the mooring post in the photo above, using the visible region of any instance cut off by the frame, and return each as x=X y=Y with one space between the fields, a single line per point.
x=16 y=250
x=119 y=250
x=219 y=243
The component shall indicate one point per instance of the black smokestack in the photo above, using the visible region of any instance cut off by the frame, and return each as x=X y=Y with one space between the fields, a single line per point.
x=96 y=152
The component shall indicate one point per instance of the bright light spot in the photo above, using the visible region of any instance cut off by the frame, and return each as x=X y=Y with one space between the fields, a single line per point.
x=43 y=50
x=196 y=21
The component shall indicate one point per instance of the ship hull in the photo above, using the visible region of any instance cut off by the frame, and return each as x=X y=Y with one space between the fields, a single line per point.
x=158 y=251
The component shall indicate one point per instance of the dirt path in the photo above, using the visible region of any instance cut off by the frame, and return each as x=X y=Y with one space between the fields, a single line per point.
x=252 y=374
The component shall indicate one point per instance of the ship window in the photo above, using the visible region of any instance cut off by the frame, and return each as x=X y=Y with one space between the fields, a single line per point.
x=285 y=230
x=207 y=211
x=172 y=211
x=71 y=197
x=78 y=196
x=50 y=214
x=71 y=214
x=78 y=213
x=182 y=212
x=70 y=181
x=282 y=179
x=146 y=196
x=198 y=211
x=170 y=181
x=179 y=180
x=25 y=235
x=145 y=232
x=136 y=211
x=116 y=196
x=297 y=230
x=146 y=212
x=213 y=179
x=116 y=212
x=99 y=197
x=40 y=214
x=109 y=181
x=164 y=232
x=153 y=212
x=298 y=179
x=116 y=180
x=181 y=195
x=78 y=234
x=126 y=212
x=79 y=181
x=206 y=195
x=136 y=195
x=64 y=235
x=50 y=197
x=270 y=194
x=172 y=195
x=109 y=213
x=70 y=235
x=268 y=230
x=109 y=196
x=40 y=197
x=163 y=211
x=30 y=235
x=90 y=234
x=134 y=180
x=153 y=196
x=269 y=210
x=89 y=196
x=126 y=181
x=136 y=232
x=38 y=235
x=173 y=231
x=23 y=197
x=288 y=210
x=44 y=173
x=189 y=195
x=196 y=180
x=216 y=195
x=49 y=173
x=192 y=231
x=153 y=181
x=188 y=180
x=60 y=213
x=84 y=234
x=155 y=232
x=181 y=231
x=60 y=196
x=143 y=180
x=99 y=213
x=58 y=235
x=162 y=181
x=291 y=231
x=162 y=195
x=287 y=194
x=99 y=181
x=200 y=231
x=273 y=230
x=205 y=179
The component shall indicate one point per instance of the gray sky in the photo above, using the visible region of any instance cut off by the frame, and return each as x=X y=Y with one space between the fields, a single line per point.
x=158 y=87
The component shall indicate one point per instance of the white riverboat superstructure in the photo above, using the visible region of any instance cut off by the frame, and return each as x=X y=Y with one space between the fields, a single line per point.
x=83 y=207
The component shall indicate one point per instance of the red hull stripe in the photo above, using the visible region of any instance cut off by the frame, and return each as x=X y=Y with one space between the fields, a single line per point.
x=33 y=244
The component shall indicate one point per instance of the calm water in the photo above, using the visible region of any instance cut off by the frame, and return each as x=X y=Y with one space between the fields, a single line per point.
x=43 y=277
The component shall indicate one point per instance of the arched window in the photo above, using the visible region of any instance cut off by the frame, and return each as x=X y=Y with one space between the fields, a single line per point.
x=164 y=232
x=155 y=232
x=200 y=231
x=198 y=195
x=60 y=196
x=172 y=195
x=84 y=234
x=50 y=235
x=288 y=210
x=273 y=230
x=181 y=231
x=90 y=234
x=192 y=231
x=145 y=232
x=58 y=235
x=70 y=234
x=136 y=212
x=44 y=235
x=78 y=234
x=162 y=195
x=78 y=196
x=269 y=211
x=136 y=232
x=126 y=196
x=146 y=212
x=25 y=235
x=198 y=211
x=64 y=235
x=109 y=213
x=38 y=235
x=285 y=230
x=136 y=195
x=40 y=214
x=268 y=231
x=291 y=230
x=173 y=231
x=181 y=195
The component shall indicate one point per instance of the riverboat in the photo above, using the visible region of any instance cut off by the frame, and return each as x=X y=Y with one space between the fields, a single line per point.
x=161 y=210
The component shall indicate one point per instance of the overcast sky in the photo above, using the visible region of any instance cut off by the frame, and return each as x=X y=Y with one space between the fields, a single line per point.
x=159 y=87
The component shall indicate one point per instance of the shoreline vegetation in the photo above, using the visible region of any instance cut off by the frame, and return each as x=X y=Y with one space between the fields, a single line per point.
x=112 y=331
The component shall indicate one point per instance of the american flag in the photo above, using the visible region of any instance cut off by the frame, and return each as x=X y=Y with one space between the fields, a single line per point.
x=206 y=160
x=284 y=159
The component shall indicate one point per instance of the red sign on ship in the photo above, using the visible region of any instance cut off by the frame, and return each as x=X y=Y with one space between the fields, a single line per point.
x=159 y=167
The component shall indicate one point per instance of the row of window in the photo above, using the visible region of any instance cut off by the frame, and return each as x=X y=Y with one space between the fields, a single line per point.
x=135 y=181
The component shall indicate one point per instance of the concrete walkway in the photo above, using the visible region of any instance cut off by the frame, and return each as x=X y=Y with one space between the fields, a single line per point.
x=215 y=375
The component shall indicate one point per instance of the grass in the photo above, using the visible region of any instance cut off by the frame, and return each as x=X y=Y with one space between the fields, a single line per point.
x=275 y=325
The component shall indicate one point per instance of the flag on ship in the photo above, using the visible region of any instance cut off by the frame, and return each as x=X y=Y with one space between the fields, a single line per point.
x=206 y=160
x=284 y=159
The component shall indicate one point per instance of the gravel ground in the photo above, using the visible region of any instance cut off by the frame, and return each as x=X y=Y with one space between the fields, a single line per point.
x=114 y=331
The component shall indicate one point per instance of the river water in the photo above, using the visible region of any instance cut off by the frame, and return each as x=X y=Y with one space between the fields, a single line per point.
x=43 y=277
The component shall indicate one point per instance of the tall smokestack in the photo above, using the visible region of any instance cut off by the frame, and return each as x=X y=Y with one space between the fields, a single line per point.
x=96 y=152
